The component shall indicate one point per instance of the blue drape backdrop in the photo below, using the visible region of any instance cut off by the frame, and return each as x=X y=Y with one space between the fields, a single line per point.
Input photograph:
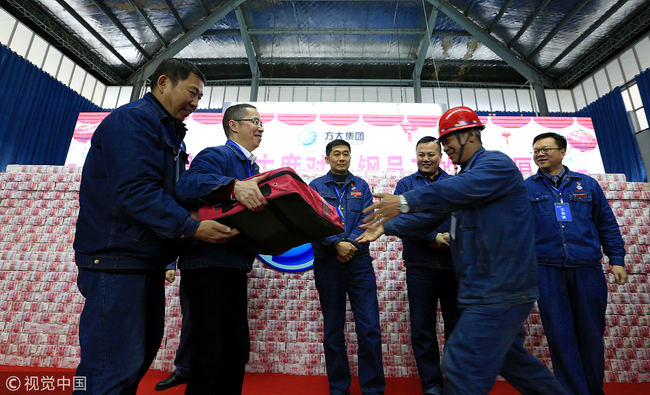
x=616 y=140
x=37 y=113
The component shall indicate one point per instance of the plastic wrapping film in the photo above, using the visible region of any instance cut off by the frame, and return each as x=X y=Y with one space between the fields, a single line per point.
x=40 y=304
x=314 y=50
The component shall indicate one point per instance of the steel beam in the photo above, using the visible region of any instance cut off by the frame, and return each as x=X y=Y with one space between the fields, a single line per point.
x=534 y=76
x=174 y=48
x=250 y=52
x=148 y=22
x=523 y=68
x=205 y=8
x=369 y=82
x=444 y=62
x=587 y=33
x=178 y=18
x=424 y=47
x=615 y=43
x=337 y=32
x=107 y=12
x=528 y=22
x=94 y=32
x=499 y=15
x=69 y=42
x=469 y=7
x=557 y=29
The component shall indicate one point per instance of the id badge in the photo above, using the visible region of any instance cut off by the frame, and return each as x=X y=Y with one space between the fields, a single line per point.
x=562 y=212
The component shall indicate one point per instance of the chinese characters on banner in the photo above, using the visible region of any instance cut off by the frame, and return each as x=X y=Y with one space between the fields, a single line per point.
x=382 y=136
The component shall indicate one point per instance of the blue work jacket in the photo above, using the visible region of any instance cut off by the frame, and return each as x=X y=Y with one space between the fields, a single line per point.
x=128 y=218
x=577 y=242
x=355 y=198
x=417 y=250
x=492 y=235
x=213 y=169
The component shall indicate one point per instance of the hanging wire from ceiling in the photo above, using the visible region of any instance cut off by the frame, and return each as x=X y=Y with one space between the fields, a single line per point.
x=275 y=20
x=399 y=58
x=429 y=31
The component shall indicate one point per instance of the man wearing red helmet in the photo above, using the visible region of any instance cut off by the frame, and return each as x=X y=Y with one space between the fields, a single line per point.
x=493 y=247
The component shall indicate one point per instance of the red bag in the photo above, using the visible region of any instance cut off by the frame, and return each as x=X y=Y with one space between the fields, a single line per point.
x=295 y=215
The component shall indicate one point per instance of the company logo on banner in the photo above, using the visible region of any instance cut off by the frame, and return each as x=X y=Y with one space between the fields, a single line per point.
x=382 y=136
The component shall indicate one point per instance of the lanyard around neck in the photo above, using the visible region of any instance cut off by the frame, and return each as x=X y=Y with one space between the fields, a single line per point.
x=340 y=196
x=429 y=182
x=559 y=191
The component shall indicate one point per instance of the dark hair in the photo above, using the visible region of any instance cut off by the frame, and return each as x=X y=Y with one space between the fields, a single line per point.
x=559 y=140
x=429 y=139
x=176 y=70
x=238 y=111
x=335 y=143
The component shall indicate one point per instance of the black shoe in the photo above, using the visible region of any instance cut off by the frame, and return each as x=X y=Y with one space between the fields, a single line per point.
x=172 y=381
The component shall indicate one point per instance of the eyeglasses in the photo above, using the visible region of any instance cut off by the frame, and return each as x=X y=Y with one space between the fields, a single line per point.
x=545 y=151
x=256 y=122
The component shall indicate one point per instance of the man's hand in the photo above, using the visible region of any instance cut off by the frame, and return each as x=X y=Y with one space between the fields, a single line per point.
x=170 y=275
x=372 y=233
x=439 y=243
x=620 y=275
x=214 y=232
x=345 y=251
x=249 y=194
x=387 y=208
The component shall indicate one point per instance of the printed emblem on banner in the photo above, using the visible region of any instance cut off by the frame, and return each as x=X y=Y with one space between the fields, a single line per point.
x=297 y=259
x=307 y=137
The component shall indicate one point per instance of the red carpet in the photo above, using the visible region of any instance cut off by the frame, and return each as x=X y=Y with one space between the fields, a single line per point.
x=285 y=384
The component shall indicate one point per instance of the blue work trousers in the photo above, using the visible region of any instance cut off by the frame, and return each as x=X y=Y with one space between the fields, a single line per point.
x=572 y=305
x=425 y=287
x=120 y=329
x=219 y=342
x=182 y=360
x=489 y=341
x=355 y=278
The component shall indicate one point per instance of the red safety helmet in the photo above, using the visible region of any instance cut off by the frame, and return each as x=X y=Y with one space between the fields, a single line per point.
x=458 y=118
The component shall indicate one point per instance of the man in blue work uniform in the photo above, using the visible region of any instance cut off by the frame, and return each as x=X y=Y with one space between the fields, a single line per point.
x=493 y=246
x=429 y=274
x=342 y=266
x=572 y=221
x=129 y=228
x=214 y=277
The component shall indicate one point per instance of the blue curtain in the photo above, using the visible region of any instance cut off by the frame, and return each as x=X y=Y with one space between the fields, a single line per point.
x=514 y=113
x=643 y=82
x=37 y=113
x=616 y=140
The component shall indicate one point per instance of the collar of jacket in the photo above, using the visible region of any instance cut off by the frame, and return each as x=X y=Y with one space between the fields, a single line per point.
x=330 y=179
x=472 y=159
x=166 y=119
x=436 y=176
x=570 y=175
x=237 y=151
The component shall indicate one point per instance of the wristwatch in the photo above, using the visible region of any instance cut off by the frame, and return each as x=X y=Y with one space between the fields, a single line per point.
x=403 y=205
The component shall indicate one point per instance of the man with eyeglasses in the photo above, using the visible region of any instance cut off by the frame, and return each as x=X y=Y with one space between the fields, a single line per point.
x=572 y=221
x=214 y=277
